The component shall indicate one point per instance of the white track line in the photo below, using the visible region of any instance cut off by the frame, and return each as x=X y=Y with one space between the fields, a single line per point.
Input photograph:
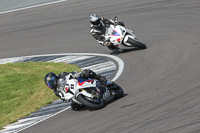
x=29 y=7
x=44 y=119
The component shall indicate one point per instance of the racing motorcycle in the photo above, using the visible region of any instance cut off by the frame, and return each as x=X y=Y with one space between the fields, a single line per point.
x=122 y=38
x=87 y=92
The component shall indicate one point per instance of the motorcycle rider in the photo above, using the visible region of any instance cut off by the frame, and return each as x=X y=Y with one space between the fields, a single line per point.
x=58 y=82
x=98 y=29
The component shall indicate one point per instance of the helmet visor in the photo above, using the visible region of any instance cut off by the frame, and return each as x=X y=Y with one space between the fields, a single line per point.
x=97 y=22
x=51 y=84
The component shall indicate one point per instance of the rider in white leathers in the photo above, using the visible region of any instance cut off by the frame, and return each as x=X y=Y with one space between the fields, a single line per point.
x=57 y=83
x=98 y=29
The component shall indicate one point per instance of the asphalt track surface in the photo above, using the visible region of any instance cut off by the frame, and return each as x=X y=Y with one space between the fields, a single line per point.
x=161 y=83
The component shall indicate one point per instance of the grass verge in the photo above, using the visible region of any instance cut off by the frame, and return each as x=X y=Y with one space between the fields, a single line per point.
x=22 y=88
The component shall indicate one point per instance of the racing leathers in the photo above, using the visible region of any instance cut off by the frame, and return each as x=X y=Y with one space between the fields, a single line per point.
x=60 y=91
x=99 y=32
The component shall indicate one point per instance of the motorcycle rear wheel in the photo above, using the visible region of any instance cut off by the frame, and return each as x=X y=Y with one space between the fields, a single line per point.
x=89 y=103
x=136 y=44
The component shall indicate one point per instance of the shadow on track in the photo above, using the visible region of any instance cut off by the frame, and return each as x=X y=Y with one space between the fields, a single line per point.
x=84 y=108
x=116 y=51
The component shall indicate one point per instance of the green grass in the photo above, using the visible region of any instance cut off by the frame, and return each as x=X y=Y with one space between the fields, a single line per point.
x=22 y=88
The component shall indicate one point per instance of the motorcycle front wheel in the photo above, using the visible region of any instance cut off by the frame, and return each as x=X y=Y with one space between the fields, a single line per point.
x=94 y=105
x=136 y=44
x=119 y=91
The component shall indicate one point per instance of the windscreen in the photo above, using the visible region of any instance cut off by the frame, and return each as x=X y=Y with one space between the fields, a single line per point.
x=111 y=32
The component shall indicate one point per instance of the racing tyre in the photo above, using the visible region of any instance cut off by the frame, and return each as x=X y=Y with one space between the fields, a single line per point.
x=118 y=91
x=136 y=44
x=89 y=103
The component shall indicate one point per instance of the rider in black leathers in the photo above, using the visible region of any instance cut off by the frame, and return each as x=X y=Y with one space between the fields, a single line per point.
x=98 y=28
x=57 y=83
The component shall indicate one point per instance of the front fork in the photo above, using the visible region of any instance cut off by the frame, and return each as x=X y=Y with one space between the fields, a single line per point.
x=131 y=33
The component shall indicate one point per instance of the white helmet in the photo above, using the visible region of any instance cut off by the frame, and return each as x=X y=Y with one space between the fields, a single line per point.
x=95 y=20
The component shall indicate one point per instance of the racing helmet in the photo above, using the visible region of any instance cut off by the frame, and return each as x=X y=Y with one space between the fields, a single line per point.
x=95 y=20
x=51 y=80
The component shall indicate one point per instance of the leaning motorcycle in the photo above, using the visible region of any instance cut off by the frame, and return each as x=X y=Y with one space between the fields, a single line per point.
x=122 y=38
x=87 y=92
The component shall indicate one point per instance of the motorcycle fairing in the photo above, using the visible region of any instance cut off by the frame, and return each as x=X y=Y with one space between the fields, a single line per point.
x=82 y=81
x=115 y=33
